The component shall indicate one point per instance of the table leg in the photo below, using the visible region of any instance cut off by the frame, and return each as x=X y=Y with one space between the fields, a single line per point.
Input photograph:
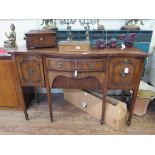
x=48 y=90
x=25 y=111
x=134 y=95
x=36 y=94
x=26 y=114
x=49 y=96
x=103 y=107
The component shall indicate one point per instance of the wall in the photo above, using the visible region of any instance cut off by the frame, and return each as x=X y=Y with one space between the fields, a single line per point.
x=23 y=25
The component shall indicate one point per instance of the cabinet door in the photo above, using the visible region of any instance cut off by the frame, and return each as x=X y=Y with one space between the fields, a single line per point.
x=8 y=93
x=118 y=79
x=30 y=69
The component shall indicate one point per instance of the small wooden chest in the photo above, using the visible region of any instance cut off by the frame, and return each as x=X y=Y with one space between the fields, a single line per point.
x=74 y=45
x=40 y=38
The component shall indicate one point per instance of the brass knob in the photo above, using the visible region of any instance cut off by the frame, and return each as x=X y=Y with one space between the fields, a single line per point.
x=90 y=66
x=60 y=65
x=123 y=74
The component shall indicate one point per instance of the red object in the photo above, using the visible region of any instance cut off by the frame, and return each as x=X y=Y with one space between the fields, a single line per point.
x=3 y=51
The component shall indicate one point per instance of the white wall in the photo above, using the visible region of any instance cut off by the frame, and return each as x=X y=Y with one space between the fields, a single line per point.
x=23 y=26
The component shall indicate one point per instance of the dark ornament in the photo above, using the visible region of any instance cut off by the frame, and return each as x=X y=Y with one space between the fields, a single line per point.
x=128 y=39
x=112 y=43
x=101 y=44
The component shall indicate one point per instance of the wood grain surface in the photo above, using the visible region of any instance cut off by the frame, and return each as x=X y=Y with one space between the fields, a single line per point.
x=68 y=120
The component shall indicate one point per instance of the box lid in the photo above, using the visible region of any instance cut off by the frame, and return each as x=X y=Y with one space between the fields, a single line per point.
x=75 y=43
x=40 y=32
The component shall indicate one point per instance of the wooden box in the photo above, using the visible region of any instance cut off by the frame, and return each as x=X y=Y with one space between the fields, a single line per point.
x=40 y=38
x=74 y=45
x=115 y=112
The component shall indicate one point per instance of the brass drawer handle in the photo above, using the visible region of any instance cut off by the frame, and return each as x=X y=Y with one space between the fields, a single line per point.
x=90 y=66
x=60 y=65
x=30 y=72
x=123 y=74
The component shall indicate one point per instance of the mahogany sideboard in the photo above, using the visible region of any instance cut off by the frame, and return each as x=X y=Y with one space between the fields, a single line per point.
x=92 y=69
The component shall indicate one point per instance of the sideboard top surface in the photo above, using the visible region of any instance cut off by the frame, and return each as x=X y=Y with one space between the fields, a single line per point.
x=93 y=52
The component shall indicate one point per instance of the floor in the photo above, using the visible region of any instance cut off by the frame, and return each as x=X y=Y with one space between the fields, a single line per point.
x=68 y=120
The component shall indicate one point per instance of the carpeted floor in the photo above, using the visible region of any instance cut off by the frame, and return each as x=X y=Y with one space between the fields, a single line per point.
x=68 y=120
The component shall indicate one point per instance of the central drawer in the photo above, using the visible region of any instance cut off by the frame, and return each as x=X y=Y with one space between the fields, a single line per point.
x=60 y=64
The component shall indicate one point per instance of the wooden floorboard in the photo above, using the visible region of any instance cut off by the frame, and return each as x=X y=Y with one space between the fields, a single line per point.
x=68 y=120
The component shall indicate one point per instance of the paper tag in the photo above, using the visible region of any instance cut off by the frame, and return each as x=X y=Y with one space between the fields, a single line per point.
x=122 y=46
x=126 y=70
x=75 y=73
x=77 y=47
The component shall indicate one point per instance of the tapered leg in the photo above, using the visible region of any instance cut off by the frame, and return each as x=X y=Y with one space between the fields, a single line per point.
x=26 y=115
x=104 y=92
x=49 y=96
x=36 y=94
x=48 y=90
x=134 y=95
x=25 y=111
x=103 y=106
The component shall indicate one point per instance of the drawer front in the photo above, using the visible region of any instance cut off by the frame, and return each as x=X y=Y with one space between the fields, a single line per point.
x=41 y=41
x=76 y=64
x=31 y=70
x=91 y=65
x=60 y=64
x=118 y=78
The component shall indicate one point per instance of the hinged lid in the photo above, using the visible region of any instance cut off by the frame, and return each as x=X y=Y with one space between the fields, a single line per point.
x=74 y=43
x=40 y=32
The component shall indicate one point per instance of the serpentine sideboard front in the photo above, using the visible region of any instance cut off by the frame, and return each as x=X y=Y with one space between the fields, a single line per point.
x=94 y=69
